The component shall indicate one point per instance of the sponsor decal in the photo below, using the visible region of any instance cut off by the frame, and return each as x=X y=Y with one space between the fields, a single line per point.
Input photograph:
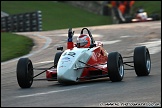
x=62 y=66
x=66 y=58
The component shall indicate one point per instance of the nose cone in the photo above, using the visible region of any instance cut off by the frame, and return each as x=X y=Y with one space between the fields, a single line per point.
x=66 y=64
x=65 y=75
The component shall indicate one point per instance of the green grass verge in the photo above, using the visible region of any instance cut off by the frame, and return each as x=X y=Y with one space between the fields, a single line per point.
x=13 y=46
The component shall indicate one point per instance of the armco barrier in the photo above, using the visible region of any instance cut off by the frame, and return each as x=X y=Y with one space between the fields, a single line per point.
x=22 y=22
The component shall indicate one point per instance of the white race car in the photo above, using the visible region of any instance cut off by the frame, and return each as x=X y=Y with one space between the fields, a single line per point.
x=142 y=17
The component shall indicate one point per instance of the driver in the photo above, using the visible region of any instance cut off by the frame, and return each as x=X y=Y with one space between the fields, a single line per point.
x=140 y=10
x=83 y=41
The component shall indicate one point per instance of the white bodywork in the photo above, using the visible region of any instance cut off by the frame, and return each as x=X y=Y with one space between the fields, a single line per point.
x=142 y=17
x=68 y=62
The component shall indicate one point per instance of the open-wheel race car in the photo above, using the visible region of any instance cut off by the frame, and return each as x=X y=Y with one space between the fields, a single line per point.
x=141 y=16
x=85 y=60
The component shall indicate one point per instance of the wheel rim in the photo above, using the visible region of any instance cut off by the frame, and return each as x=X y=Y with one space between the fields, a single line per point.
x=121 y=67
x=148 y=62
x=30 y=70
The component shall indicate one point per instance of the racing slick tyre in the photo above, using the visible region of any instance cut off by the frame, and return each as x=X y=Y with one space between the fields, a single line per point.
x=57 y=57
x=155 y=17
x=142 y=61
x=128 y=19
x=115 y=66
x=24 y=73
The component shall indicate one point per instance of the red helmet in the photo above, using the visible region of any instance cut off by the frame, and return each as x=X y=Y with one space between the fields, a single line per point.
x=83 y=41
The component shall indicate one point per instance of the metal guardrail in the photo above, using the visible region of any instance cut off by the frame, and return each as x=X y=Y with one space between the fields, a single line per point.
x=24 y=22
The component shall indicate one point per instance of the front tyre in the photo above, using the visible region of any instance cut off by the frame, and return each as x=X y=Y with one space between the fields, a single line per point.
x=115 y=66
x=56 y=58
x=142 y=61
x=24 y=73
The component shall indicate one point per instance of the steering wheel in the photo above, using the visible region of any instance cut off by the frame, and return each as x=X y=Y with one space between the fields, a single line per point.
x=89 y=33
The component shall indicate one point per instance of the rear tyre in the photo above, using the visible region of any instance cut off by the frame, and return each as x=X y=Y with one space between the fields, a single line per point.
x=115 y=66
x=24 y=73
x=142 y=61
x=155 y=17
x=128 y=19
x=57 y=57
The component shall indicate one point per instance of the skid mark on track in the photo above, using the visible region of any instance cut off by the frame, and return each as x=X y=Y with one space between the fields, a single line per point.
x=153 y=46
x=49 y=92
x=110 y=42
x=126 y=36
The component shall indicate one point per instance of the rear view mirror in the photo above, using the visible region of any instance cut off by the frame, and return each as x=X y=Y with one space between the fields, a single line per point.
x=60 y=48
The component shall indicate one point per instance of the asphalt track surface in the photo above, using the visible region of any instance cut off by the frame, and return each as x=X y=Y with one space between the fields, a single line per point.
x=131 y=91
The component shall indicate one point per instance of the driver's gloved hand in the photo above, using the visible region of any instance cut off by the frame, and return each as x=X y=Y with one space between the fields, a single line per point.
x=70 y=35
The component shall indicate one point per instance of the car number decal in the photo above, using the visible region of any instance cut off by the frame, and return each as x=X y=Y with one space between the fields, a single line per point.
x=70 y=53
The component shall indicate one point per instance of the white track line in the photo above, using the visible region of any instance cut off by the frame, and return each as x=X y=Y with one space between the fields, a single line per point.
x=49 y=92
